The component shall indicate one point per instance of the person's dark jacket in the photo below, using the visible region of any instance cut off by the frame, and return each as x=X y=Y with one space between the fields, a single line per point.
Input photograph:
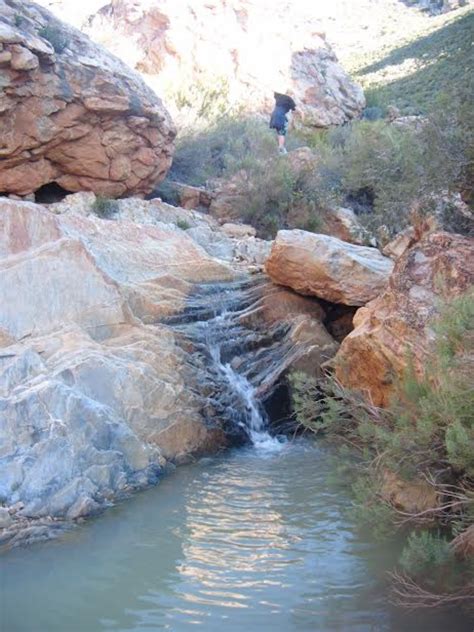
x=283 y=104
x=278 y=118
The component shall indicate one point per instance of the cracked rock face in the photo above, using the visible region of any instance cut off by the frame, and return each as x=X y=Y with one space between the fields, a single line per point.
x=374 y=355
x=327 y=267
x=93 y=398
x=73 y=114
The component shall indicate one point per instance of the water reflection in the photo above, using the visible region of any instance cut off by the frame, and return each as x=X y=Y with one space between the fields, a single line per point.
x=240 y=543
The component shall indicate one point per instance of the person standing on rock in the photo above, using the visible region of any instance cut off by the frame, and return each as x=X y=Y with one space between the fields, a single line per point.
x=279 y=120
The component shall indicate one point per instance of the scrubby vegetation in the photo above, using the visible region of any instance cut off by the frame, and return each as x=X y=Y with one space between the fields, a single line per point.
x=104 y=207
x=382 y=170
x=425 y=438
x=182 y=224
x=412 y=73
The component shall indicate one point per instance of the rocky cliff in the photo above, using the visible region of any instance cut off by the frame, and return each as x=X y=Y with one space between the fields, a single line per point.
x=73 y=114
x=223 y=54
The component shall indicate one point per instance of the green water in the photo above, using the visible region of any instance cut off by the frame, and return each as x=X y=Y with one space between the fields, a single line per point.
x=251 y=540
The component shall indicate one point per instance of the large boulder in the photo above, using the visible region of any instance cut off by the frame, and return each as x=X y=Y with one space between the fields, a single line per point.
x=395 y=328
x=73 y=114
x=92 y=399
x=218 y=51
x=326 y=267
x=98 y=388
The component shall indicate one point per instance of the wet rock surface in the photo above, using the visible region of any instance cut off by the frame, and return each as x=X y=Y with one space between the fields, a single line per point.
x=108 y=366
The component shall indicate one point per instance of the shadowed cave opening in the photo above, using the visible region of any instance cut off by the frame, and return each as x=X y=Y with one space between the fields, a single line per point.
x=278 y=405
x=49 y=193
x=279 y=409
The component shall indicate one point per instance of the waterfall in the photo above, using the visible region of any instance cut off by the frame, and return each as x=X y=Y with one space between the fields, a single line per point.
x=236 y=364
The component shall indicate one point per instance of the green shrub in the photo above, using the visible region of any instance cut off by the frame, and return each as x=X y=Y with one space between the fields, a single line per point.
x=369 y=510
x=373 y=113
x=383 y=170
x=104 y=207
x=183 y=224
x=18 y=19
x=429 y=427
x=275 y=195
x=221 y=149
x=55 y=37
x=442 y=60
x=424 y=552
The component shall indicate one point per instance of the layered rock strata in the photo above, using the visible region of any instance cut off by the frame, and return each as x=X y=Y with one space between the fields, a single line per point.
x=98 y=389
x=72 y=113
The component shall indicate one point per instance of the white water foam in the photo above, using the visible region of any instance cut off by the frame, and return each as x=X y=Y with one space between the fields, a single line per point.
x=255 y=418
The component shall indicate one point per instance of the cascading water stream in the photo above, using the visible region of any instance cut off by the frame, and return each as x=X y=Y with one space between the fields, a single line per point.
x=254 y=420
x=236 y=363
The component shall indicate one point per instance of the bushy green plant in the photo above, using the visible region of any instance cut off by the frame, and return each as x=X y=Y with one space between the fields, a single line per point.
x=319 y=406
x=383 y=170
x=429 y=426
x=276 y=195
x=423 y=552
x=183 y=224
x=104 y=207
x=221 y=149
x=368 y=508
x=55 y=37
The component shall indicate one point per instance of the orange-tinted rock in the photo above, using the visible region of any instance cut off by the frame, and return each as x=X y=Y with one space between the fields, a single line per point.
x=326 y=267
x=396 y=325
x=69 y=113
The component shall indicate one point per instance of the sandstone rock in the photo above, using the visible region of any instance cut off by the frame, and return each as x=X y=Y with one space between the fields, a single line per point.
x=327 y=267
x=396 y=325
x=400 y=243
x=191 y=197
x=322 y=89
x=70 y=115
x=87 y=391
x=238 y=230
x=252 y=251
x=97 y=392
x=201 y=228
x=169 y=40
x=229 y=195
x=309 y=344
x=343 y=223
